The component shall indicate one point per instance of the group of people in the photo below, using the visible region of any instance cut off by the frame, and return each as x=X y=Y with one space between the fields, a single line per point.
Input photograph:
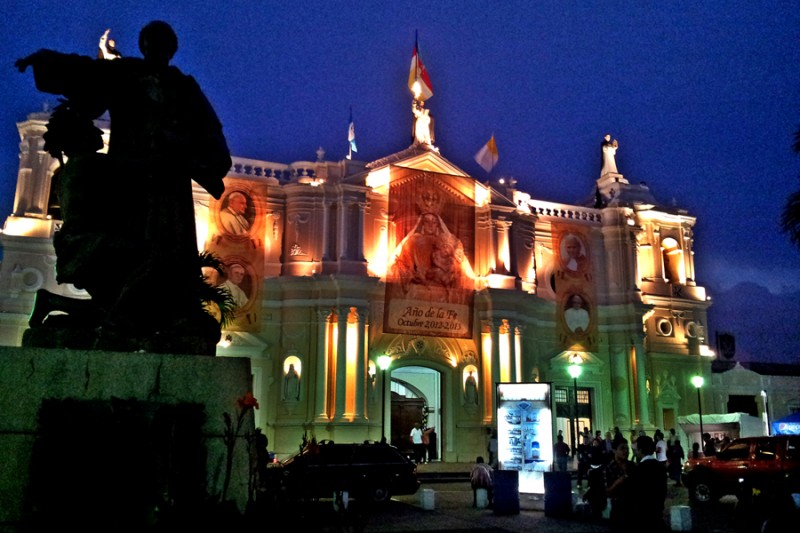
x=599 y=450
x=636 y=489
x=424 y=444
x=629 y=475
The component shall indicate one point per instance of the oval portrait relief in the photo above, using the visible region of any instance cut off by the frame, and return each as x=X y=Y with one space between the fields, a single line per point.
x=573 y=253
x=238 y=282
x=576 y=314
x=237 y=213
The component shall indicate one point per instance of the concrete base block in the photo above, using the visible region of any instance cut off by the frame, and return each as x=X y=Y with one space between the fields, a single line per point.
x=481 y=498
x=427 y=499
x=680 y=517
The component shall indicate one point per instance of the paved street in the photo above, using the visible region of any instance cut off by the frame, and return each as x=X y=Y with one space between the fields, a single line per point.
x=453 y=511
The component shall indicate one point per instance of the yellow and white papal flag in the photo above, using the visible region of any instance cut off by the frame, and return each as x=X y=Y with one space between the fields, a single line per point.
x=487 y=156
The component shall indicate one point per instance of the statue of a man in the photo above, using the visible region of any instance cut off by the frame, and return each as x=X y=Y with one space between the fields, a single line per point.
x=164 y=134
x=423 y=123
x=609 y=151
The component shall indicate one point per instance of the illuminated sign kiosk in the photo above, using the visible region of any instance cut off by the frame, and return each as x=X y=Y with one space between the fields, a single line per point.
x=525 y=432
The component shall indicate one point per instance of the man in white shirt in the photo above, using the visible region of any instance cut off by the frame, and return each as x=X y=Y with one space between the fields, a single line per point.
x=416 y=442
x=661 y=448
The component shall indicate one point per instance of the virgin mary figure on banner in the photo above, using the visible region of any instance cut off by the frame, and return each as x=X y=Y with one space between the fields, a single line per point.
x=430 y=281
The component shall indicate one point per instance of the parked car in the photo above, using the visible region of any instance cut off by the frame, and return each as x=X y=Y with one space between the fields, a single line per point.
x=368 y=472
x=760 y=463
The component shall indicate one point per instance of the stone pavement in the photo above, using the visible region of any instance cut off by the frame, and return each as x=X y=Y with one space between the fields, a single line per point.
x=452 y=511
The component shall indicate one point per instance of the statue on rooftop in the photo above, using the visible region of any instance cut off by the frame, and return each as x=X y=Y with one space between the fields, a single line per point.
x=609 y=152
x=423 y=123
x=164 y=134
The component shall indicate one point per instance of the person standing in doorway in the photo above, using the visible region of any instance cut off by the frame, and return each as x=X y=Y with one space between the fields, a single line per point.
x=561 y=450
x=417 y=444
x=492 y=448
x=433 y=453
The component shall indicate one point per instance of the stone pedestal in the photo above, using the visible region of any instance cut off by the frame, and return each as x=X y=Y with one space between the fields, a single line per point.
x=31 y=378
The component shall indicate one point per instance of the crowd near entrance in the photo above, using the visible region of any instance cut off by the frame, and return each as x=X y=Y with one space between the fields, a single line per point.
x=573 y=413
x=416 y=399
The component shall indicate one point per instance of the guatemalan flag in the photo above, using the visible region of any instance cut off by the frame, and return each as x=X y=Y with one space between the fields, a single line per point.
x=418 y=80
x=351 y=133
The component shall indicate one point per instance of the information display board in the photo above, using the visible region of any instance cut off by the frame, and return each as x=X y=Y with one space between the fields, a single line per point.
x=525 y=432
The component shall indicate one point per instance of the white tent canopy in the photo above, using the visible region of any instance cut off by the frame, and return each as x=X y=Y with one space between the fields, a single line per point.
x=733 y=425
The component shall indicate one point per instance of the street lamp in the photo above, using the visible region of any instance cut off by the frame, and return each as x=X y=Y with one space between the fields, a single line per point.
x=698 y=381
x=575 y=371
x=384 y=361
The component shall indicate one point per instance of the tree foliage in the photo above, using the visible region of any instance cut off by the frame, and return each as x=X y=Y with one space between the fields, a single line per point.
x=790 y=219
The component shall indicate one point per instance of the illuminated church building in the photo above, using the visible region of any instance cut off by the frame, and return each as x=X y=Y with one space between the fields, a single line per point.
x=463 y=284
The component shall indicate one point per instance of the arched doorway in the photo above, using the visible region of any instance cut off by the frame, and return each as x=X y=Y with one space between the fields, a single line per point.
x=416 y=393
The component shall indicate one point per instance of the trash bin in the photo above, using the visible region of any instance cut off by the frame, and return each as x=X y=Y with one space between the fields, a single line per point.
x=505 y=491
x=557 y=494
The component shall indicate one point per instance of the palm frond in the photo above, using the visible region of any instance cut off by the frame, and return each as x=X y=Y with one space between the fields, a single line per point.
x=215 y=298
x=790 y=219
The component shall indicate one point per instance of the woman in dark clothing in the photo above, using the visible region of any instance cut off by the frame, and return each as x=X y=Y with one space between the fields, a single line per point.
x=675 y=460
x=618 y=487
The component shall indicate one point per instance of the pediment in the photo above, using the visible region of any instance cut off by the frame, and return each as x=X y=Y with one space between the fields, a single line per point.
x=591 y=364
x=432 y=162
x=415 y=158
x=740 y=375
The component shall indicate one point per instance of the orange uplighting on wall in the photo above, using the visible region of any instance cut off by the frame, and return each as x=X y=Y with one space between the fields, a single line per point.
x=378 y=256
x=504 y=350
x=351 y=345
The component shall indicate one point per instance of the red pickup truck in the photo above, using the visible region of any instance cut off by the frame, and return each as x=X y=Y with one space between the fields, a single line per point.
x=761 y=463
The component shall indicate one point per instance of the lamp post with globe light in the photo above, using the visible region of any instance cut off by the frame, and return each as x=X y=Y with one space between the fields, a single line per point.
x=384 y=361
x=698 y=381
x=575 y=371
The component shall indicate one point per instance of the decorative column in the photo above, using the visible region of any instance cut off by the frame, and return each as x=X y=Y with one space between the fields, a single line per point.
x=340 y=382
x=323 y=381
x=325 y=237
x=516 y=362
x=359 y=222
x=641 y=382
x=486 y=379
x=342 y=224
x=502 y=253
x=620 y=393
x=495 y=358
x=361 y=366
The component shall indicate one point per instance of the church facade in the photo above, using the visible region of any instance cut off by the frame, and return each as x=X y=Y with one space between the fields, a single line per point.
x=462 y=284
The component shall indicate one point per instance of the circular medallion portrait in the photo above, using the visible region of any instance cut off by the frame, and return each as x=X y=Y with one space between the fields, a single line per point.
x=573 y=253
x=237 y=213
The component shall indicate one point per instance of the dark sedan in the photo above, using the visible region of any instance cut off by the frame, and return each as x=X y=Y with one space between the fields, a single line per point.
x=367 y=472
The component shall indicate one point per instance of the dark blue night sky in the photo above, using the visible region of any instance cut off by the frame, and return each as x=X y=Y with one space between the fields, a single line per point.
x=703 y=97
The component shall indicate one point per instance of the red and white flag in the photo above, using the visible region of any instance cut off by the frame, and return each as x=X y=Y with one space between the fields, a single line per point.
x=418 y=80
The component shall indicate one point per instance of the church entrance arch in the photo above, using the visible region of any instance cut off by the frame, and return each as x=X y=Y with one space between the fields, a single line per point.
x=416 y=393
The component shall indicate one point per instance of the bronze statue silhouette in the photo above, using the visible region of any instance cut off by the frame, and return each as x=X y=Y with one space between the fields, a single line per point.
x=164 y=134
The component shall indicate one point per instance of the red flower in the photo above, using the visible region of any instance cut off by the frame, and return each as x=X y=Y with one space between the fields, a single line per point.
x=247 y=401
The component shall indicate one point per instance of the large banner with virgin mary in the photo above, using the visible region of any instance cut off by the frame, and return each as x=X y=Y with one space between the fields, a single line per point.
x=430 y=283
